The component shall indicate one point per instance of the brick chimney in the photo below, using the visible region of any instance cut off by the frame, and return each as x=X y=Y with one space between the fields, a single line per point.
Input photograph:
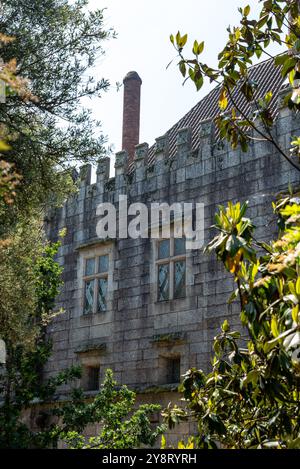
x=131 y=113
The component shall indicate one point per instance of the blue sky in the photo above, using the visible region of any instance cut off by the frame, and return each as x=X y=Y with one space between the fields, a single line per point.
x=143 y=29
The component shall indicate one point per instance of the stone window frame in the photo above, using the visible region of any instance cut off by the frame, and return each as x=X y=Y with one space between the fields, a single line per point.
x=163 y=306
x=88 y=360
x=170 y=261
x=95 y=277
x=96 y=251
x=164 y=372
x=92 y=378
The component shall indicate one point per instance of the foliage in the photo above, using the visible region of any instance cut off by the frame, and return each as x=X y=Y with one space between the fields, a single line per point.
x=48 y=48
x=112 y=409
x=14 y=83
x=121 y=426
x=55 y=44
x=19 y=255
x=9 y=178
x=278 y=23
x=190 y=444
x=251 y=398
x=29 y=281
x=29 y=306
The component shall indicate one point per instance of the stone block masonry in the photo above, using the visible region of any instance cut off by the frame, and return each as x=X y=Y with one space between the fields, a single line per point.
x=212 y=175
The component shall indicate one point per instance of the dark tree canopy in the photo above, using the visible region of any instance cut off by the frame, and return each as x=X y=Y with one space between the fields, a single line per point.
x=56 y=44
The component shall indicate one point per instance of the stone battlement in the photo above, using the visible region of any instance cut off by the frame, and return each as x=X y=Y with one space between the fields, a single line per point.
x=153 y=168
x=141 y=338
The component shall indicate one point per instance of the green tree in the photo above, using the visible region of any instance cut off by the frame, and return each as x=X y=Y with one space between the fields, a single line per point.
x=56 y=43
x=24 y=315
x=123 y=425
x=251 y=398
x=30 y=279
x=44 y=131
x=9 y=178
x=278 y=23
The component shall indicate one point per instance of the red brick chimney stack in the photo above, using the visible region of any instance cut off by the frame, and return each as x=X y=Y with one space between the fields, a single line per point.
x=131 y=113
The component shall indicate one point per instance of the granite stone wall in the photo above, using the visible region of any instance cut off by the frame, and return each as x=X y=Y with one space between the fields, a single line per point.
x=136 y=333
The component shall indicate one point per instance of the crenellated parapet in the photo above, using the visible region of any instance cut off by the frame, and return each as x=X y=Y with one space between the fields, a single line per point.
x=149 y=163
x=103 y=168
x=140 y=163
x=85 y=175
x=141 y=154
x=161 y=147
x=138 y=336
x=178 y=157
x=121 y=167
x=184 y=139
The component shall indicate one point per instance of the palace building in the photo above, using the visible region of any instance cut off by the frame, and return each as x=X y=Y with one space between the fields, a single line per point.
x=150 y=308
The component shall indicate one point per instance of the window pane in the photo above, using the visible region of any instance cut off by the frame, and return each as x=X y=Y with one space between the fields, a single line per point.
x=103 y=264
x=163 y=282
x=93 y=379
x=164 y=249
x=179 y=279
x=173 y=372
x=102 y=294
x=89 y=266
x=89 y=297
x=179 y=246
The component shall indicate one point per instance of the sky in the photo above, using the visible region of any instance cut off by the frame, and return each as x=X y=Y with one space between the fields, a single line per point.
x=143 y=29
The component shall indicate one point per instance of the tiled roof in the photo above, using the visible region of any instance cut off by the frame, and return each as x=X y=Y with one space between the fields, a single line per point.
x=265 y=74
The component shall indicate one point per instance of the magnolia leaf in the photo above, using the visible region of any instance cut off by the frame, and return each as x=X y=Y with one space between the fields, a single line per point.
x=247 y=10
x=200 y=48
x=223 y=101
x=298 y=286
x=183 y=40
x=4 y=146
x=225 y=326
x=274 y=327
x=288 y=66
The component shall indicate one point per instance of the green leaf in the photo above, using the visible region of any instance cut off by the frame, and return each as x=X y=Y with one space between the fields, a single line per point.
x=223 y=101
x=298 y=286
x=262 y=21
x=282 y=336
x=182 y=68
x=274 y=327
x=200 y=48
x=195 y=47
x=251 y=378
x=199 y=82
x=268 y=97
x=183 y=40
x=247 y=10
x=225 y=326
x=288 y=65
x=4 y=146
x=294 y=444
x=280 y=59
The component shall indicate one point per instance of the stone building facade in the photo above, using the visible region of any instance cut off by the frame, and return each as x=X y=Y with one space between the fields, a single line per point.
x=149 y=339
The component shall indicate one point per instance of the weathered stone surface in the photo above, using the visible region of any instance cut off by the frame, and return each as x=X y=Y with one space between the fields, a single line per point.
x=212 y=176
